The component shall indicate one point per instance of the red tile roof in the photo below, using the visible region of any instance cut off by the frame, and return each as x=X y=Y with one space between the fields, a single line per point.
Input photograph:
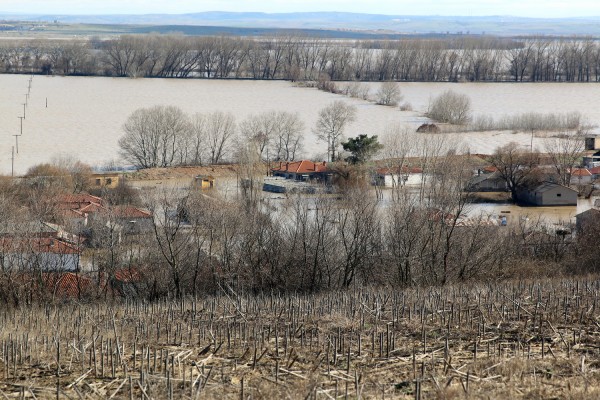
x=76 y=201
x=128 y=275
x=89 y=208
x=595 y=170
x=581 y=172
x=78 y=205
x=301 y=167
x=130 y=212
x=40 y=245
x=67 y=284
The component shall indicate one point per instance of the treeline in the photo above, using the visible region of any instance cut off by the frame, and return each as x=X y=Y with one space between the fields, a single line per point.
x=310 y=59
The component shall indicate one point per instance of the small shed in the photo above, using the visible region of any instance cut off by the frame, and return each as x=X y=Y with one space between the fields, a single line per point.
x=108 y=180
x=203 y=182
x=548 y=194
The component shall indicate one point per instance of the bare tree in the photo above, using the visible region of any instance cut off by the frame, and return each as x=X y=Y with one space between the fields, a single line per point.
x=331 y=124
x=564 y=154
x=174 y=236
x=515 y=165
x=450 y=107
x=389 y=94
x=197 y=149
x=152 y=136
x=220 y=132
x=287 y=141
x=260 y=130
x=356 y=90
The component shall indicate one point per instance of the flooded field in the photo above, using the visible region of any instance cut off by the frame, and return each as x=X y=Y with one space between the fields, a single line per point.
x=82 y=116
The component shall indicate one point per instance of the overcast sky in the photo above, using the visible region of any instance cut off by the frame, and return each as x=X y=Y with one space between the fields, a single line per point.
x=527 y=8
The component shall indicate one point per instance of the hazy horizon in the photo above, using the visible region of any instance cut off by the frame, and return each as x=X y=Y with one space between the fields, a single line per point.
x=463 y=8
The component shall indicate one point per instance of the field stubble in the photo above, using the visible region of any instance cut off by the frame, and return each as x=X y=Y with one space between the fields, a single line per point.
x=512 y=340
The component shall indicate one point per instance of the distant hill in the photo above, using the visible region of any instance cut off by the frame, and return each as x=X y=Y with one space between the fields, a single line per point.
x=341 y=22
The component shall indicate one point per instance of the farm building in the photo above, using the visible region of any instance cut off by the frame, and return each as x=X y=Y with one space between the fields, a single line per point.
x=581 y=176
x=302 y=170
x=203 y=182
x=394 y=177
x=108 y=180
x=39 y=254
x=548 y=194
x=487 y=183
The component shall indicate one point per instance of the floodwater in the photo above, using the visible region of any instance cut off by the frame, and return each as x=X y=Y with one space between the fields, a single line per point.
x=82 y=116
x=559 y=217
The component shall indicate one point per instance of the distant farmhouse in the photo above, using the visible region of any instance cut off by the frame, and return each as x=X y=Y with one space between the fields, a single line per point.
x=203 y=182
x=298 y=177
x=109 y=180
x=302 y=170
x=401 y=176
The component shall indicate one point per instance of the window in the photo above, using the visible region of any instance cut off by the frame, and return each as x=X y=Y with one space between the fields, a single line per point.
x=109 y=181
x=558 y=194
x=98 y=182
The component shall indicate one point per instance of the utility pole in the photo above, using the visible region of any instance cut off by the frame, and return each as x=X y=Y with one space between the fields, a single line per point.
x=21 y=118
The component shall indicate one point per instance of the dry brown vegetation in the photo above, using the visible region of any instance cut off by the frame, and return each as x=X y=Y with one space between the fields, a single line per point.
x=218 y=171
x=521 y=339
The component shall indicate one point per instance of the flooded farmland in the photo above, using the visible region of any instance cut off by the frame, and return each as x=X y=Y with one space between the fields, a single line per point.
x=82 y=116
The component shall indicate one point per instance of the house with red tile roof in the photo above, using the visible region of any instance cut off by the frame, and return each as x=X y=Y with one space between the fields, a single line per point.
x=581 y=176
x=79 y=208
x=30 y=253
x=302 y=170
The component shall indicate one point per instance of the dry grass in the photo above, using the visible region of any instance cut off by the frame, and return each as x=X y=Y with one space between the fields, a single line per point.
x=218 y=171
x=529 y=340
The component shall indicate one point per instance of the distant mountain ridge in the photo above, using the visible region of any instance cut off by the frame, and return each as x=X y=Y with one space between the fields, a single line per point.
x=407 y=24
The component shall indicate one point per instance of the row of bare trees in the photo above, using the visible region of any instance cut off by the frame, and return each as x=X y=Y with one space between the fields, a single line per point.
x=301 y=58
x=164 y=136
